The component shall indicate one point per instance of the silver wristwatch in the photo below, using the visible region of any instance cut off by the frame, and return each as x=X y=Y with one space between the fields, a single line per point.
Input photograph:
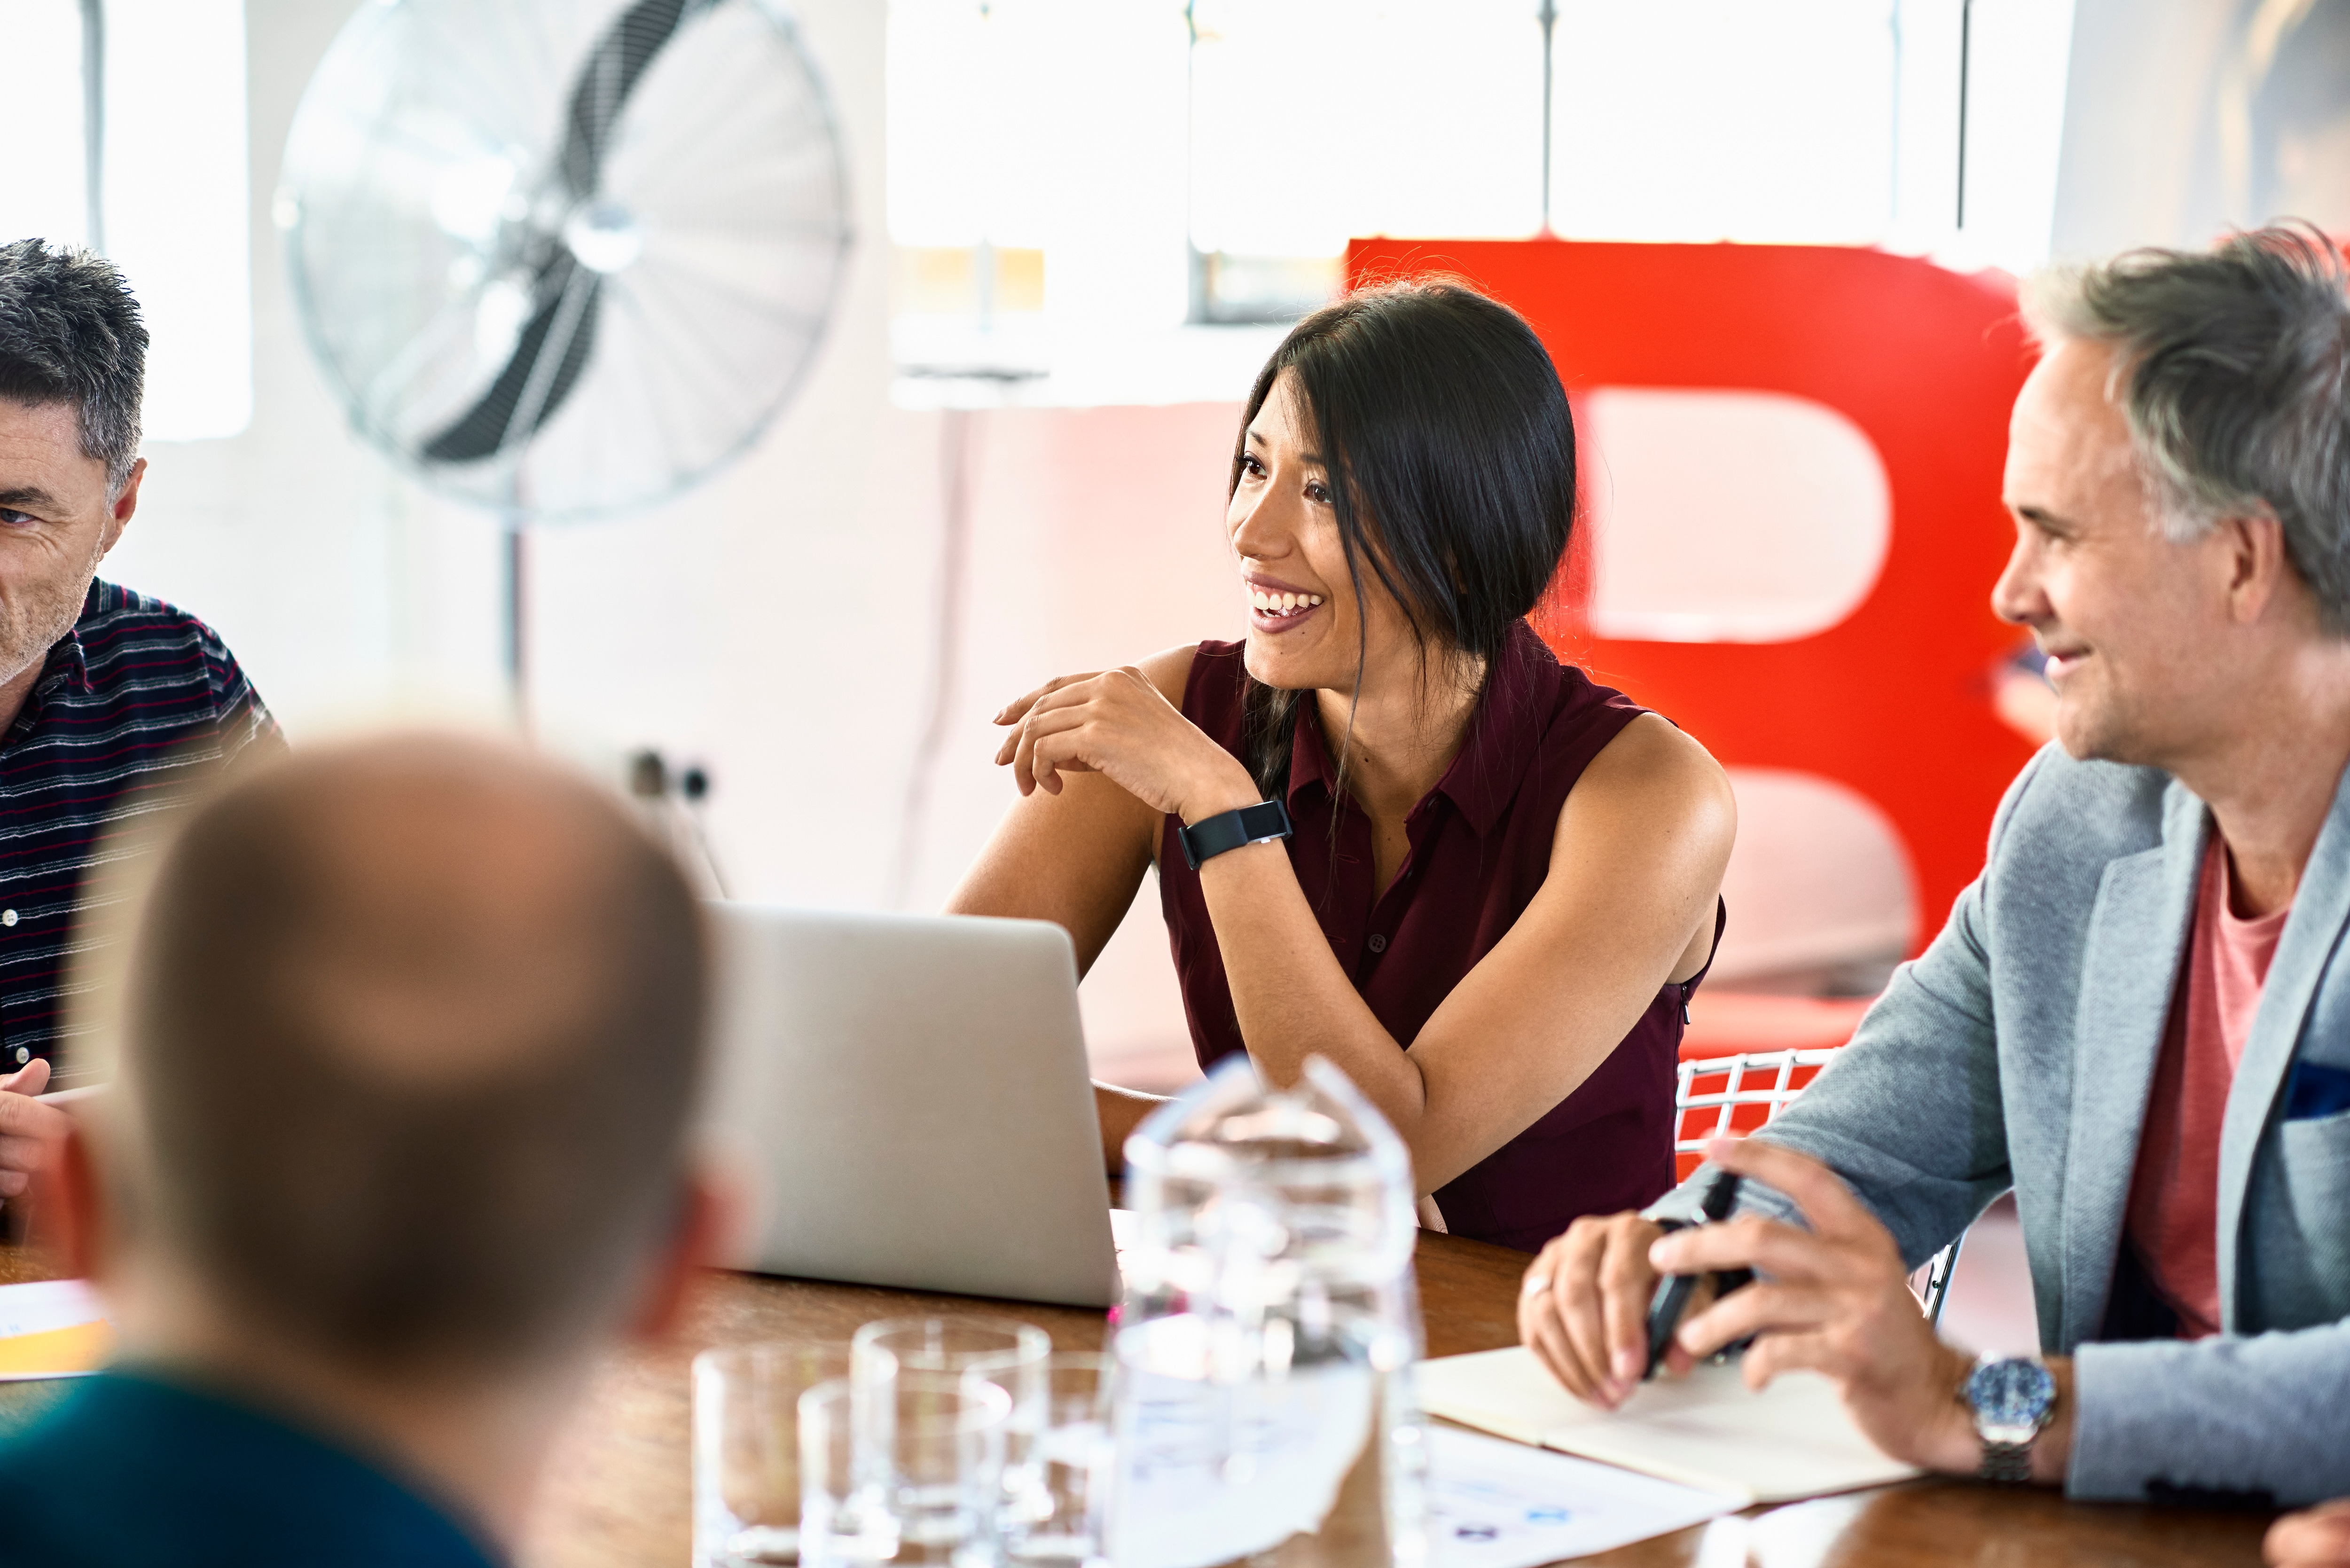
x=2014 y=1398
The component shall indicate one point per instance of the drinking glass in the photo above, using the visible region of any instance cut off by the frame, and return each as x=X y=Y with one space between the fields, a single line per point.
x=950 y=1342
x=954 y=1344
x=842 y=1524
x=933 y=1443
x=1062 y=1450
x=746 y=1465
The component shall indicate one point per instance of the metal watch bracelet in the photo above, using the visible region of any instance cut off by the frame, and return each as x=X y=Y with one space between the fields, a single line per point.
x=2009 y=1462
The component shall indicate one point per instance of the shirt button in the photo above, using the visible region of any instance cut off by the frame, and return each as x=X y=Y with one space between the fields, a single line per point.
x=22 y=1056
x=1377 y=944
x=7 y=916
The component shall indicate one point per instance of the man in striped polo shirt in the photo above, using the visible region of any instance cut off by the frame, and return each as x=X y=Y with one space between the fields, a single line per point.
x=111 y=703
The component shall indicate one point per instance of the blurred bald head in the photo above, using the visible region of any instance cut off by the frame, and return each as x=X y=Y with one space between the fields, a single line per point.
x=415 y=1027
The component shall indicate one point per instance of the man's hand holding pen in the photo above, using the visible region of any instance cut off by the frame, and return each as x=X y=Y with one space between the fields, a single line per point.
x=1594 y=1310
x=1834 y=1299
x=32 y=1127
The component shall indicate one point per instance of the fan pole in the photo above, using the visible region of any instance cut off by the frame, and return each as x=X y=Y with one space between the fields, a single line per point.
x=517 y=599
x=93 y=123
x=517 y=628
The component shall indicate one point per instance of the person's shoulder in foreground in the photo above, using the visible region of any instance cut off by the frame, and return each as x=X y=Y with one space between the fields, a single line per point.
x=136 y=1467
x=409 y=1042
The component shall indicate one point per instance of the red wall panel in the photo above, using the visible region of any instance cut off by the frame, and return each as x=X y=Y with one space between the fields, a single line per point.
x=1894 y=702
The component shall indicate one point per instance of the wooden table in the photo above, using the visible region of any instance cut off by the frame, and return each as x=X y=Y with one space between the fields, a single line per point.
x=617 y=1494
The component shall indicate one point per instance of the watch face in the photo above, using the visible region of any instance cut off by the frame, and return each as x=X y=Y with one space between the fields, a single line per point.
x=2011 y=1392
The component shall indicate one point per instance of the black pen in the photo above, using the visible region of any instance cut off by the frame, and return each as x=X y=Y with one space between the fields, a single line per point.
x=1673 y=1292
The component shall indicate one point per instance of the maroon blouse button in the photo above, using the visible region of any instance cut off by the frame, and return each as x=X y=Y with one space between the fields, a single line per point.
x=1377 y=944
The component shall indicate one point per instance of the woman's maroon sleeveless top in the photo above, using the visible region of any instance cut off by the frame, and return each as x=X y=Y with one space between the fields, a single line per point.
x=1480 y=848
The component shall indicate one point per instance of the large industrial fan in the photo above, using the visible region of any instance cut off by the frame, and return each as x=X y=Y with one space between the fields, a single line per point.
x=564 y=258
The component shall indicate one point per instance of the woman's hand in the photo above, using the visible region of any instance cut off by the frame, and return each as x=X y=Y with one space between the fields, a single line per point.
x=1116 y=723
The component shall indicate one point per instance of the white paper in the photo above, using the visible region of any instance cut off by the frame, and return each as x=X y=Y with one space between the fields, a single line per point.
x=1707 y=1430
x=47 y=1305
x=1211 y=1472
x=1492 y=1504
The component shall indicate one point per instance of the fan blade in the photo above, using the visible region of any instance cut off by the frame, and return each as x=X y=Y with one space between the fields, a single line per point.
x=491 y=423
x=613 y=69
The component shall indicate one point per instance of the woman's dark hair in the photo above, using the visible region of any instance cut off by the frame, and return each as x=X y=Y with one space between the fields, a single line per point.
x=1450 y=451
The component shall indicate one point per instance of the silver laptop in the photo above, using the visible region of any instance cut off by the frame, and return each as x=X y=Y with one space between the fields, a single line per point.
x=907 y=1098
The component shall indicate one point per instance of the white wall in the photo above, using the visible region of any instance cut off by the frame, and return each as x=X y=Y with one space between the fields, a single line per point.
x=2138 y=126
x=776 y=625
x=338 y=586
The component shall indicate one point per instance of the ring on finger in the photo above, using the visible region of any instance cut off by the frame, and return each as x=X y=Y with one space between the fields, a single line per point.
x=1536 y=1284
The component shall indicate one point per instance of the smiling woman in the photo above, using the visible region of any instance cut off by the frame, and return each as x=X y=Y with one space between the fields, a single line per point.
x=1389 y=827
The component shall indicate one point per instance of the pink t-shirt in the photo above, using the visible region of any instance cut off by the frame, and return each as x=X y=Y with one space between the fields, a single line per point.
x=2174 y=1203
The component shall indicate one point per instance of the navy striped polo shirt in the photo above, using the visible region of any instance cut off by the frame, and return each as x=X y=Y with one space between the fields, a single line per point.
x=137 y=702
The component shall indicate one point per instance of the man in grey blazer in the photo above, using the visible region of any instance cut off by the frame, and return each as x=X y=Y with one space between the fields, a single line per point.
x=2178 y=472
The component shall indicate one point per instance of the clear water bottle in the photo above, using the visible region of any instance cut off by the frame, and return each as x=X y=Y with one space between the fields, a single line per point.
x=1264 y=1410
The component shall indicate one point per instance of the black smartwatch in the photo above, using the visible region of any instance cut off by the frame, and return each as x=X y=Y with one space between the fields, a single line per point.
x=1211 y=835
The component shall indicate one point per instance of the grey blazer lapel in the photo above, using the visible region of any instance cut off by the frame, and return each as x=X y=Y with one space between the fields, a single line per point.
x=2320 y=906
x=2129 y=969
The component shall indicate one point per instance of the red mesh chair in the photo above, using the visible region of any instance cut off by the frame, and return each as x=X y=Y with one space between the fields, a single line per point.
x=1743 y=1057
x=1730 y=1096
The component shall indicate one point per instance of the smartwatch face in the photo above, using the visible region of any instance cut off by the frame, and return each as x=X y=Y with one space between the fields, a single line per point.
x=2010 y=1394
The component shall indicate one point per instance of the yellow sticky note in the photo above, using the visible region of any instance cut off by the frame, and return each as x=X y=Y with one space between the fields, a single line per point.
x=59 y=1352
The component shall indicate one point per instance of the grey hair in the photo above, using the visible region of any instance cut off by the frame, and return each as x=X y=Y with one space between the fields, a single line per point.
x=70 y=333
x=2233 y=367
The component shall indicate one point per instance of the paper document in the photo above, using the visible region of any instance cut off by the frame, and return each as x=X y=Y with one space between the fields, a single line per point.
x=1706 y=1431
x=1502 y=1505
x=52 y=1328
x=1211 y=1472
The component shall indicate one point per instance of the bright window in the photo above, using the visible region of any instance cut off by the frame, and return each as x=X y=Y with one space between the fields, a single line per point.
x=1069 y=177
x=44 y=190
x=1708 y=120
x=177 y=214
